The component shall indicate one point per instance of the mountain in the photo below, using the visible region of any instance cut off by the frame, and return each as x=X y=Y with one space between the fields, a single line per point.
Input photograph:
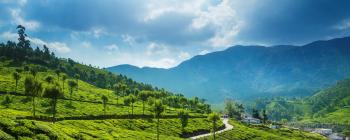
x=248 y=72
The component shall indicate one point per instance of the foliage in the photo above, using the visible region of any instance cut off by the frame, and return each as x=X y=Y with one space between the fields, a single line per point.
x=183 y=116
x=243 y=131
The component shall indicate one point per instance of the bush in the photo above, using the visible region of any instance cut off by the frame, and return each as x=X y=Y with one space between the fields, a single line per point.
x=5 y=122
x=21 y=131
x=41 y=137
x=5 y=136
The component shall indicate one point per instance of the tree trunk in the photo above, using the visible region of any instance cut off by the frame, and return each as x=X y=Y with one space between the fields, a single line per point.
x=214 y=128
x=16 y=86
x=132 y=109
x=158 y=128
x=54 y=110
x=143 y=108
x=33 y=103
x=71 y=92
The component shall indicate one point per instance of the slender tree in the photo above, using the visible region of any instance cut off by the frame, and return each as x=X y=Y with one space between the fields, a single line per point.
x=54 y=93
x=33 y=88
x=64 y=78
x=33 y=72
x=183 y=116
x=264 y=116
x=214 y=117
x=116 y=91
x=104 y=102
x=143 y=96
x=72 y=85
x=158 y=110
x=77 y=76
x=16 y=76
x=58 y=72
x=132 y=101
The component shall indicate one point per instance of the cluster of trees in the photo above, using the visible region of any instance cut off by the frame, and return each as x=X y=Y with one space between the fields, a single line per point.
x=53 y=88
x=22 y=53
x=234 y=109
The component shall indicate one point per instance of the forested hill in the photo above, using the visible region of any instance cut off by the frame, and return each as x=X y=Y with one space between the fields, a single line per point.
x=42 y=59
x=250 y=72
x=21 y=57
x=331 y=105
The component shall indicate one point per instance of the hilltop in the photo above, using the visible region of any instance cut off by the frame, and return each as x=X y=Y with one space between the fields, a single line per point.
x=251 y=72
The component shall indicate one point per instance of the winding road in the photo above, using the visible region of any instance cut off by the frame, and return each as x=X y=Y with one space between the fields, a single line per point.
x=227 y=127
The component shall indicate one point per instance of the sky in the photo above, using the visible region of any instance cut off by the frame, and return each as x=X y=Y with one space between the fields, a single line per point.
x=164 y=33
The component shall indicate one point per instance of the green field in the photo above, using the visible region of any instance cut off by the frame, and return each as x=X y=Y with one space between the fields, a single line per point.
x=243 y=131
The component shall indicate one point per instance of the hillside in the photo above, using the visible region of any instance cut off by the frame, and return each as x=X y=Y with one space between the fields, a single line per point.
x=258 y=132
x=331 y=105
x=250 y=72
x=45 y=97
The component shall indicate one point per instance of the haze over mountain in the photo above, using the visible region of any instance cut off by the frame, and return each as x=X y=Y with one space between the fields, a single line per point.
x=248 y=72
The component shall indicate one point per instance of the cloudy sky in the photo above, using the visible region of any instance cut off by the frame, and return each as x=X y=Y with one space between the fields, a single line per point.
x=164 y=33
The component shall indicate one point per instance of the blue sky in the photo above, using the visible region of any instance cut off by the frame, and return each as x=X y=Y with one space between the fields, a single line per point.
x=164 y=33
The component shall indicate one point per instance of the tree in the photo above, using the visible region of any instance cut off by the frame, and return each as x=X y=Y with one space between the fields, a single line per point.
x=7 y=101
x=16 y=76
x=264 y=116
x=33 y=72
x=49 y=79
x=214 y=117
x=117 y=89
x=77 y=76
x=32 y=88
x=64 y=78
x=143 y=96
x=346 y=133
x=256 y=114
x=234 y=110
x=104 y=102
x=58 y=74
x=72 y=85
x=183 y=116
x=132 y=101
x=158 y=110
x=54 y=93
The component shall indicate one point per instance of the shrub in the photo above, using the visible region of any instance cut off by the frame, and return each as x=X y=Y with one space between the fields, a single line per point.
x=5 y=136
x=41 y=137
x=21 y=131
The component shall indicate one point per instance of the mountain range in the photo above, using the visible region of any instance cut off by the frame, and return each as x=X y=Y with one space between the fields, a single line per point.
x=249 y=72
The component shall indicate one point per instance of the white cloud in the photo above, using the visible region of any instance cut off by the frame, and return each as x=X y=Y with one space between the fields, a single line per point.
x=128 y=39
x=97 y=32
x=184 y=55
x=223 y=18
x=142 y=60
x=203 y=52
x=17 y=19
x=5 y=36
x=55 y=46
x=344 y=25
x=158 y=8
x=86 y=44
x=22 y=2
x=112 y=47
x=157 y=49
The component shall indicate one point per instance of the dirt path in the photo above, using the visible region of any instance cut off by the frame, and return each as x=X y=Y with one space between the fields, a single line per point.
x=227 y=127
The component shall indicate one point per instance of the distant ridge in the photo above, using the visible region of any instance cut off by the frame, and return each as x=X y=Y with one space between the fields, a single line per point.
x=247 y=72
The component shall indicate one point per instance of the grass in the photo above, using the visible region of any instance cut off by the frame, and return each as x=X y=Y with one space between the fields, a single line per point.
x=13 y=128
x=258 y=132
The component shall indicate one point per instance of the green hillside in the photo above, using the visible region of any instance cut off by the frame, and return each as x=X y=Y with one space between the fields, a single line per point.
x=258 y=132
x=75 y=101
x=331 y=105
